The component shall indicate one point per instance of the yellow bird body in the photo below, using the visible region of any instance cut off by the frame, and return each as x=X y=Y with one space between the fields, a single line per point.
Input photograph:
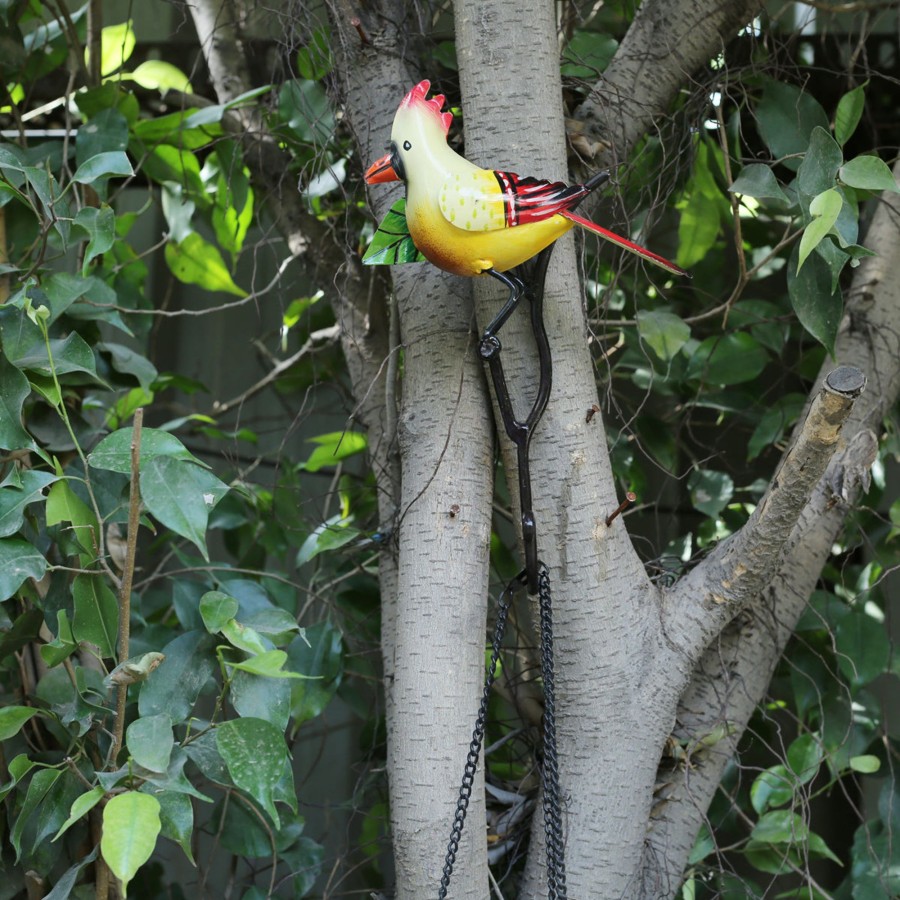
x=468 y=220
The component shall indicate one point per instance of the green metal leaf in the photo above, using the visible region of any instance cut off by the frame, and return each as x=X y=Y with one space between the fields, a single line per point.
x=131 y=826
x=392 y=244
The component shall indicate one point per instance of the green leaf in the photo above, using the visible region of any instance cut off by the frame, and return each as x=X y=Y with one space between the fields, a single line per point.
x=176 y=814
x=392 y=244
x=114 y=451
x=701 y=208
x=175 y=686
x=334 y=447
x=332 y=534
x=728 y=359
x=320 y=656
x=587 y=54
x=866 y=764
x=774 y=787
x=868 y=173
x=780 y=827
x=257 y=759
x=80 y=808
x=824 y=209
x=819 y=168
x=863 y=648
x=158 y=75
x=265 y=694
x=102 y=165
x=41 y=785
x=818 y=306
x=786 y=117
x=117 y=43
x=65 y=506
x=14 y=498
x=804 y=757
x=243 y=637
x=304 y=109
x=780 y=416
x=758 y=180
x=12 y=398
x=710 y=491
x=12 y=718
x=104 y=132
x=96 y=618
x=100 y=224
x=150 y=741
x=269 y=663
x=849 y=111
x=70 y=355
x=217 y=609
x=181 y=496
x=63 y=645
x=196 y=261
x=130 y=828
x=18 y=562
x=663 y=331
x=314 y=59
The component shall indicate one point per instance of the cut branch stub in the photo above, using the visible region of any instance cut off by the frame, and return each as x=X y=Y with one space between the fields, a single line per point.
x=756 y=550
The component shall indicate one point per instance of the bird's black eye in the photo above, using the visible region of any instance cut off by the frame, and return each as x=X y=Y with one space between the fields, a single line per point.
x=407 y=145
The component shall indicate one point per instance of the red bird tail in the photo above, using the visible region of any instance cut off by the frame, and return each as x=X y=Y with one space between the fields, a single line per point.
x=630 y=246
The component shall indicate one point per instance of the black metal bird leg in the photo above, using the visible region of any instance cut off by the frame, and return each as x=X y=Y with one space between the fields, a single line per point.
x=521 y=431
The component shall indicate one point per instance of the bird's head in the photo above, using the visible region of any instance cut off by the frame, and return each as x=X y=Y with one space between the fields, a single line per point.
x=419 y=131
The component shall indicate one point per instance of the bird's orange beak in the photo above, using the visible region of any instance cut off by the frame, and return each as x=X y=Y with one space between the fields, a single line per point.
x=381 y=171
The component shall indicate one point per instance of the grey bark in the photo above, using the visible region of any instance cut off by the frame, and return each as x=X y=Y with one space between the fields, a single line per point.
x=433 y=628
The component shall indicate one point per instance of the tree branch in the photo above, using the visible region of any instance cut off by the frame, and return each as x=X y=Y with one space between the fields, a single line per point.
x=665 y=45
x=739 y=569
x=733 y=673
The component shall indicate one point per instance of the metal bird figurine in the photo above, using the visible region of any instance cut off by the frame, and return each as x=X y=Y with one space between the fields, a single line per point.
x=471 y=221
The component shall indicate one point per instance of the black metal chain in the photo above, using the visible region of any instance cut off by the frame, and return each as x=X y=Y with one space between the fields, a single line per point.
x=468 y=779
x=553 y=827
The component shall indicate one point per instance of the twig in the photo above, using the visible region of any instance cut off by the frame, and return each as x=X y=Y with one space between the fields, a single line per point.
x=134 y=513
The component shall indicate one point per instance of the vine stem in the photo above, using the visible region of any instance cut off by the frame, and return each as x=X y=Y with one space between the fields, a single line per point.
x=134 y=512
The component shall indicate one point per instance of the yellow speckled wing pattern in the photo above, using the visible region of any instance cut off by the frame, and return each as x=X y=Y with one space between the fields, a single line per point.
x=473 y=201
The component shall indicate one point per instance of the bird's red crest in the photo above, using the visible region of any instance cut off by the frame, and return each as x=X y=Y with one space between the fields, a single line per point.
x=416 y=97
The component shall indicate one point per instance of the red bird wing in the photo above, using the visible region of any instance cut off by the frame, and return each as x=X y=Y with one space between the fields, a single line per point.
x=532 y=200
